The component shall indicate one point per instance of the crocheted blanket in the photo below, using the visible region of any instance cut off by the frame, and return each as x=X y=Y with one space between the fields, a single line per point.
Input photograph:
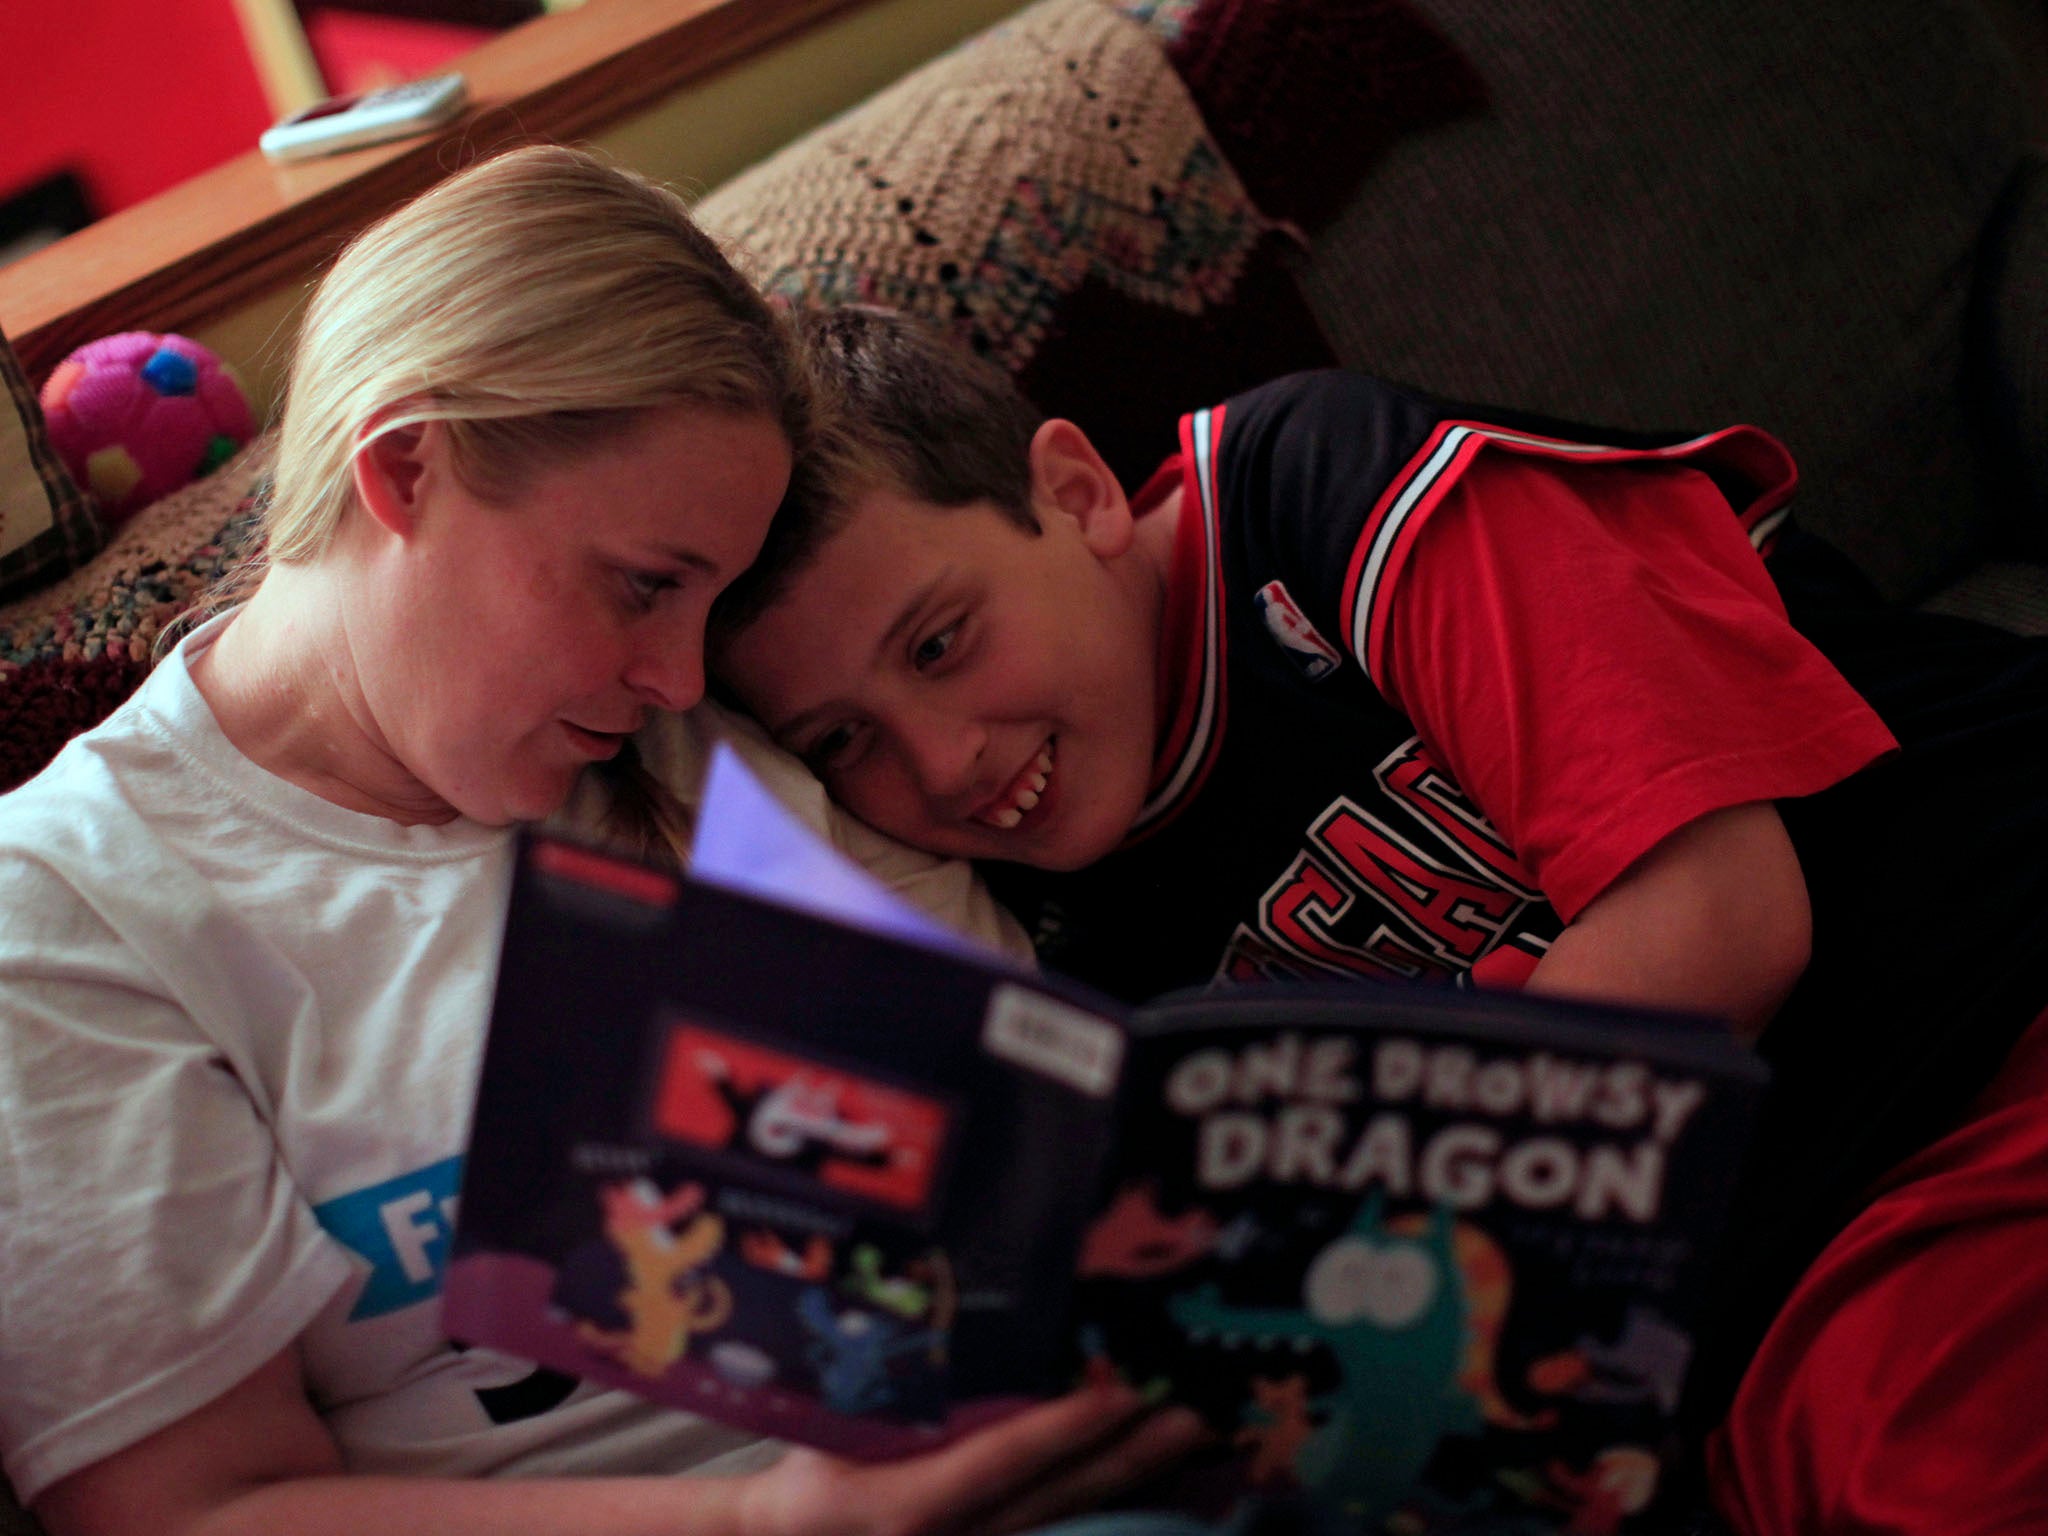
x=72 y=651
x=1057 y=193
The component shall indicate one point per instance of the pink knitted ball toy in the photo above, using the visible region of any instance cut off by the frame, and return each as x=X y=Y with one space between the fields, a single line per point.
x=137 y=415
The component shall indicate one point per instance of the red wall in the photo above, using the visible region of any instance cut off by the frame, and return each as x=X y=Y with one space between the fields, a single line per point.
x=131 y=94
x=135 y=95
x=359 y=52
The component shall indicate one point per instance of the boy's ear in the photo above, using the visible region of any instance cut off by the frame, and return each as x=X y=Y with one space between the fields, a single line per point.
x=1069 y=477
x=390 y=469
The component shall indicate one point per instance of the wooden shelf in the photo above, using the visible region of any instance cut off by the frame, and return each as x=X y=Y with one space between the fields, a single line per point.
x=243 y=229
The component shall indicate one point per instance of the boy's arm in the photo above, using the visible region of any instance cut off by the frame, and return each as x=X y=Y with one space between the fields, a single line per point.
x=1601 y=662
x=1712 y=918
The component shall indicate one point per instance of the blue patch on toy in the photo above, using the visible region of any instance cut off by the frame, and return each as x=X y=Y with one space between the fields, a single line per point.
x=169 y=373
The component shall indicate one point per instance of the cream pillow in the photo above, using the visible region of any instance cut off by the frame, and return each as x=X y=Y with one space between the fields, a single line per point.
x=676 y=748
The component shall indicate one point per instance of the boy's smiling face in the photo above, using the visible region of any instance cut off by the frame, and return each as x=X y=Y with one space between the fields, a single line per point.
x=963 y=685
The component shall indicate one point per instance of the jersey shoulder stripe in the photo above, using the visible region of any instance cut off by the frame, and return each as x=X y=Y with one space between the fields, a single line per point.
x=1397 y=517
x=1198 y=732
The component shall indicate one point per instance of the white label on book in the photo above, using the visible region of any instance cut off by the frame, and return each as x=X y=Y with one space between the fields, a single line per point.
x=1047 y=1036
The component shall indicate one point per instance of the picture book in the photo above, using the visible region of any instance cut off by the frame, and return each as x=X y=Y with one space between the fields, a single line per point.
x=762 y=1144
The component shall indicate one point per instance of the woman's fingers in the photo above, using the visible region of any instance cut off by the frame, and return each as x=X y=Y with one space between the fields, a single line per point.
x=972 y=1481
x=1017 y=1451
x=1049 y=1460
x=1150 y=1445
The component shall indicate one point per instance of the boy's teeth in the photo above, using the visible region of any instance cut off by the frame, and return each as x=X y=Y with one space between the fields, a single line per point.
x=1028 y=796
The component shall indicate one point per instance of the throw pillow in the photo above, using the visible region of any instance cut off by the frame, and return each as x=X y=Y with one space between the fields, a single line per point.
x=1049 y=192
x=47 y=525
x=1304 y=95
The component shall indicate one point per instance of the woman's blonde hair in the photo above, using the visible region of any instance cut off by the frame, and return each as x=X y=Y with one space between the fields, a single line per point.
x=536 y=304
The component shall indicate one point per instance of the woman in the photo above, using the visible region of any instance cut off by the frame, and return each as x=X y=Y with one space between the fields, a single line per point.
x=535 y=423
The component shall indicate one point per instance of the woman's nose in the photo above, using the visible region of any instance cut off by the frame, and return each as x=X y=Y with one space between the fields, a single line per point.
x=670 y=672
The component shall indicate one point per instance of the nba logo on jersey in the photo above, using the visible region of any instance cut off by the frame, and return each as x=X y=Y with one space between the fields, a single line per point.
x=1297 y=637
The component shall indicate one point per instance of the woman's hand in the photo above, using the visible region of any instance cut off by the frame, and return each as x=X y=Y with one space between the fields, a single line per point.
x=258 y=1460
x=1055 y=1459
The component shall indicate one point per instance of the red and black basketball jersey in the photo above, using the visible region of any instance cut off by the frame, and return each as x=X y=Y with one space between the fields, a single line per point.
x=1298 y=823
x=1436 y=677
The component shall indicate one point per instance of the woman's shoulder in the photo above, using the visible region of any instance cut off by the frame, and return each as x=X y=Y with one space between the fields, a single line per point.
x=112 y=822
x=110 y=773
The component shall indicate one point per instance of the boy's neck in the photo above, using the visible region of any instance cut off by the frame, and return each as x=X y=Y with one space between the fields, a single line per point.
x=1155 y=545
x=1155 y=535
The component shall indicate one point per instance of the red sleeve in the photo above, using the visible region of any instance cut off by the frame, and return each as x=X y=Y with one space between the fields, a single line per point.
x=1900 y=1388
x=1597 y=654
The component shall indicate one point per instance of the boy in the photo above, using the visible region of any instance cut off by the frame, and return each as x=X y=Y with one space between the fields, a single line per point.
x=1357 y=684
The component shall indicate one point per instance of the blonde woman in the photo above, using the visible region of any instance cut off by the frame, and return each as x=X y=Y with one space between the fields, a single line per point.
x=535 y=423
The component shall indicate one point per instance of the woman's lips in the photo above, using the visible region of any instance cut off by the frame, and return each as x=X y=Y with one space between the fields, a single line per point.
x=594 y=744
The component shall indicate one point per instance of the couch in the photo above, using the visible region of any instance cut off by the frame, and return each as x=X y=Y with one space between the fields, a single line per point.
x=1823 y=216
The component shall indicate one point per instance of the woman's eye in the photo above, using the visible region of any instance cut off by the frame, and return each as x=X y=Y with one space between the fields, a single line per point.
x=934 y=647
x=643 y=588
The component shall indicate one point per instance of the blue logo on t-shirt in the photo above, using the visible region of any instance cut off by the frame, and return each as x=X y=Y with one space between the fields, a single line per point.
x=400 y=1228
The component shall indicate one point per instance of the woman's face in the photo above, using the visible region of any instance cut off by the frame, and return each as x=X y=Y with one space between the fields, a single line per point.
x=529 y=639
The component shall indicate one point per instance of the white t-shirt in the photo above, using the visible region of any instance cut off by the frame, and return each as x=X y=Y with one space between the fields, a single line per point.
x=239 y=1033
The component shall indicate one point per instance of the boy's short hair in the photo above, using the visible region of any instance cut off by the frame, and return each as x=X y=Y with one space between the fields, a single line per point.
x=902 y=407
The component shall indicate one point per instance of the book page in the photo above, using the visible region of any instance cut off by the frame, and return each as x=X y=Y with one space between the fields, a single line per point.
x=748 y=841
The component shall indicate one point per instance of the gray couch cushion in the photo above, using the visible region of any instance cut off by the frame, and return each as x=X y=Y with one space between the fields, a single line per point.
x=2013 y=594
x=2015 y=334
x=1680 y=215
